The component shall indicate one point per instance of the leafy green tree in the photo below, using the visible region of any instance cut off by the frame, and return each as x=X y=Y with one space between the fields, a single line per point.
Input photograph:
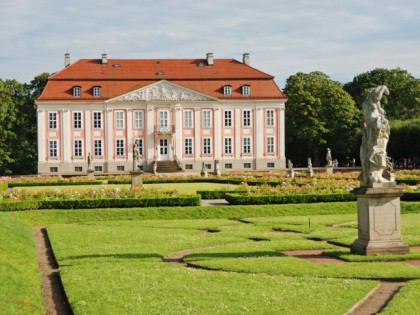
x=404 y=139
x=319 y=114
x=404 y=99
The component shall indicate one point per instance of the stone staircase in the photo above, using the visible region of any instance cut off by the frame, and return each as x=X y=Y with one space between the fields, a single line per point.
x=167 y=167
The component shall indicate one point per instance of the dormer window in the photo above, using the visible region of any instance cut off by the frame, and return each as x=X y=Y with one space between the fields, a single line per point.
x=227 y=90
x=96 y=91
x=77 y=91
x=246 y=90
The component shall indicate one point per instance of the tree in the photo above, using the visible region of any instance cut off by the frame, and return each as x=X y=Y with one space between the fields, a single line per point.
x=404 y=99
x=319 y=114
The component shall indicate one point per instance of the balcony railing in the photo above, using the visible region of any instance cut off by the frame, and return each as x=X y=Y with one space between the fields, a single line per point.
x=164 y=129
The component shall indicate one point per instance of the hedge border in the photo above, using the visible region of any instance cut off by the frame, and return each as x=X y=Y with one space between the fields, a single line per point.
x=63 y=183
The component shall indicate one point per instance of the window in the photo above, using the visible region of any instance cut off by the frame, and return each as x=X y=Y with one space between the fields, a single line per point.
x=54 y=169
x=77 y=120
x=270 y=165
x=78 y=168
x=246 y=145
x=96 y=91
x=53 y=148
x=228 y=165
x=246 y=90
x=188 y=120
x=98 y=168
x=119 y=147
x=246 y=118
x=188 y=146
x=120 y=168
x=97 y=147
x=119 y=119
x=228 y=118
x=206 y=119
x=228 y=145
x=206 y=146
x=77 y=148
x=139 y=143
x=247 y=165
x=270 y=144
x=227 y=90
x=77 y=91
x=188 y=166
x=208 y=166
x=52 y=120
x=138 y=119
x=97 y=120
x=270 y=118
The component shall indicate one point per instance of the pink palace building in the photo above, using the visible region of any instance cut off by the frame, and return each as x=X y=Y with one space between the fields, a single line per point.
x=181 y=112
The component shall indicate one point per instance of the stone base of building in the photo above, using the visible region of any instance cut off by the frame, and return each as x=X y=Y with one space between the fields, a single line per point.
x=378 y=216
x=136 y=179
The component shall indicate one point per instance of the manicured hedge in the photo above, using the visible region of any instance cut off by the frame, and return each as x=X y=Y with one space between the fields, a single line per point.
x=240 y=199
x=61 y=183
x=175 y=201
x=411 y=196
x=3 y=186
x=411 y=182
x=216 y=194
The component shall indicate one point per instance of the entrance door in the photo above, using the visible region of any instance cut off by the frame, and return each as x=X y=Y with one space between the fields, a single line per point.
x=163 y=150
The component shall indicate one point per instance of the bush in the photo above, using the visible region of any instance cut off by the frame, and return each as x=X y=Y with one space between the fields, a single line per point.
x=239 y=199
x=411 y=196
x=59 y=183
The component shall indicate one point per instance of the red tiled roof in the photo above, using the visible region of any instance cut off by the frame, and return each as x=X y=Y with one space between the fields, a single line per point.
x=120 y=76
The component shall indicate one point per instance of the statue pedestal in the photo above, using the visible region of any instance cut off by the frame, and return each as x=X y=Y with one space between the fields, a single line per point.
x=378 y=216
x=329 y=169
x=136 y=179
x=90 y=174
x=309 y=172
x=291 y=173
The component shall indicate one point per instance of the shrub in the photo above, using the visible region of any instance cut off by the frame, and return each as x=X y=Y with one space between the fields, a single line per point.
x=241 y=199
x=54 y=183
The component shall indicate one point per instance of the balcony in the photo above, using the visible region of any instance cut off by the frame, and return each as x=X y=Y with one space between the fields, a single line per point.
x=160 y=129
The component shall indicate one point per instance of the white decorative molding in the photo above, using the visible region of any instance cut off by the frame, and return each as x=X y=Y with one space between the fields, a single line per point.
x=150 y=108
x=282 y=107
x=216 y=107
x=162 y=91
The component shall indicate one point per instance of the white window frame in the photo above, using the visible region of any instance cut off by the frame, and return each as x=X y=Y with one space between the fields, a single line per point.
x=228 y=149
x=77 y=91
x=188 y=119
x=52 y=120
x=53 y=148
x=206 y=119
x=246 y=118
x=119 y=147
x=77 y=120
x=246 y=145
x=227 y=118
x=78 y=148
x=138 y=119
x=119 y=119
x=188 y=146
x=227 y=90
x=269 y=142
x=96 y=91
x=207 y=146
x=270 y=118
x=246 y=90
x=140 y=144
x=97 y=147
x=97 y=121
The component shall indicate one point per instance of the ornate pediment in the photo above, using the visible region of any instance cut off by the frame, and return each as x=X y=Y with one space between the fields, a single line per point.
x=162 y=91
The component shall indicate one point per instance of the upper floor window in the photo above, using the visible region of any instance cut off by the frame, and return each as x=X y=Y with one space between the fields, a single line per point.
x=206 y=119
x=77 y=91
x=227 y=90
x=119 y=119
x=188 y=119
x=97 y=120
x=77 y=120
x=96 y=91
x=228 y=118
x=52 y=120
x=270 y=118
x=138 y=119
x=246 y=90
x=246 y=118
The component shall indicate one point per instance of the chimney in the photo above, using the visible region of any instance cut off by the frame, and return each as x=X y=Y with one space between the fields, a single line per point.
x=104 y=59
x=66 y=60
x=245 y=59
x=210 y=61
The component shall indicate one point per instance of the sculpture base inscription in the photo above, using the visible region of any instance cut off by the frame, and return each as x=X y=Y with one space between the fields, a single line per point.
x=378 y=215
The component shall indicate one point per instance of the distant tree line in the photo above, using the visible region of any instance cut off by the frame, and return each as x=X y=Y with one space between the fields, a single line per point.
x=320 y=114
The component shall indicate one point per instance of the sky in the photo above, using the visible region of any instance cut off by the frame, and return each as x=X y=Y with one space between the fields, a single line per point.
x=341 y=38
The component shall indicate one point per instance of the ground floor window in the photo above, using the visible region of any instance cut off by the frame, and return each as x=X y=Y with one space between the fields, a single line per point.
x=78 y=148
x=53 y=169
x=98 y=168
x=228 y=165
x=270 y=165
x=206 y=146
x=188 y=166
x=78 y=169
x=53 y=148
x=97 y=147
x=270 y=144
x=120 y=168
x=188 y=146
x=228 y=145
x=246 y=145
x=119 y=147
x=139 y=143
x=247 y=165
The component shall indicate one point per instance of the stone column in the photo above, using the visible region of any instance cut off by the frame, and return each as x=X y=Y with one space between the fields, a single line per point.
x=42 y=138
x=281 y=135
x=217 y=132
x=178 y=132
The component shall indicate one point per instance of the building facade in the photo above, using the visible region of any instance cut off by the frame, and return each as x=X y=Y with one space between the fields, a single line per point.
x=185 y=110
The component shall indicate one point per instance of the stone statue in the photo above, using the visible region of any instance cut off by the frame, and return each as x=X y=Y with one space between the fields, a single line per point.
x=217 y=168
x=289 y=164
x=329 y=158
x=136 y=157
x=204 y=172
x=376 y=132
x=89 y=162
x=309 y=163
